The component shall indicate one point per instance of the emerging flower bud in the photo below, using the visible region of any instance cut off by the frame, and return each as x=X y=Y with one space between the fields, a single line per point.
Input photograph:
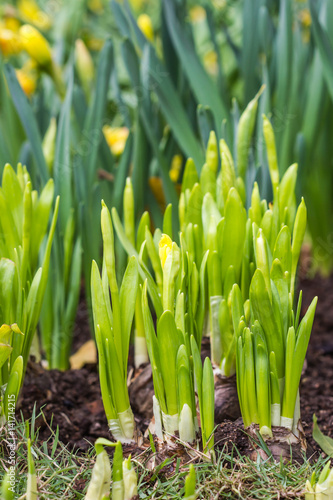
x=165 y=247
x=84 y=65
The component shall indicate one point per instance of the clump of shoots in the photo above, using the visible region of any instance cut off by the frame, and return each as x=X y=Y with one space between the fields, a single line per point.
x=23 y=228
x=124 y=478
x=272 y=342
x=322 y=489
x=113 y=311
x=173 y=346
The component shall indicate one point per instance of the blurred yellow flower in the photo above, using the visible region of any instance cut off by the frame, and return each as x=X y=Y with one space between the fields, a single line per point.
x=164 y=248
x=10 y=42
x=305 y=18
x=31 y=13
x=210 y=62
x=27 y=80
x=95 y=44
x=96 y=6
x=36 y=45
x=27 y=77
x=145 y=25
x=197 y=14
x=116 y=138
x=11 y=23
x=176 y=165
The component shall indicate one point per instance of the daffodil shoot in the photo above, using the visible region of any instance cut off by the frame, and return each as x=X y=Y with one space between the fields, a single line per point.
x=113 y=310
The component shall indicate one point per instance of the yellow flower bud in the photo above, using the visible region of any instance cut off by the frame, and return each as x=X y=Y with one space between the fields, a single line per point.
x=116 y=138
x=84 y=65
x=145 y=25
x=165 y=247
x=49 y=143
x=10 y=42
x=36 y=45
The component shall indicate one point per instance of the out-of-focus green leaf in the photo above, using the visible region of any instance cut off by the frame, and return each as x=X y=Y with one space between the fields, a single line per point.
x=203 y=86
x=325 y=442
x=62 y=169
x=324 y=46
x=28 y=120
x=250 y=47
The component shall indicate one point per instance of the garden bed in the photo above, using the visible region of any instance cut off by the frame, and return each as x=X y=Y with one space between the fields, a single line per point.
x=72 y=399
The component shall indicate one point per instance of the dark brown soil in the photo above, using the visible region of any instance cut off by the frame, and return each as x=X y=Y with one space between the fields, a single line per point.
x=317 y=382
x=72 y=400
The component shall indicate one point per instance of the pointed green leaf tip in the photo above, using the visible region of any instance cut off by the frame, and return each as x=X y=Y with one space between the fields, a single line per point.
x=101 y=442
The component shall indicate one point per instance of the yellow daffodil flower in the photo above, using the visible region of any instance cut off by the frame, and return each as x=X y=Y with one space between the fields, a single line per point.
x=11 y=23
x=116 y=138
x=145 y=25
x=10 y=42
